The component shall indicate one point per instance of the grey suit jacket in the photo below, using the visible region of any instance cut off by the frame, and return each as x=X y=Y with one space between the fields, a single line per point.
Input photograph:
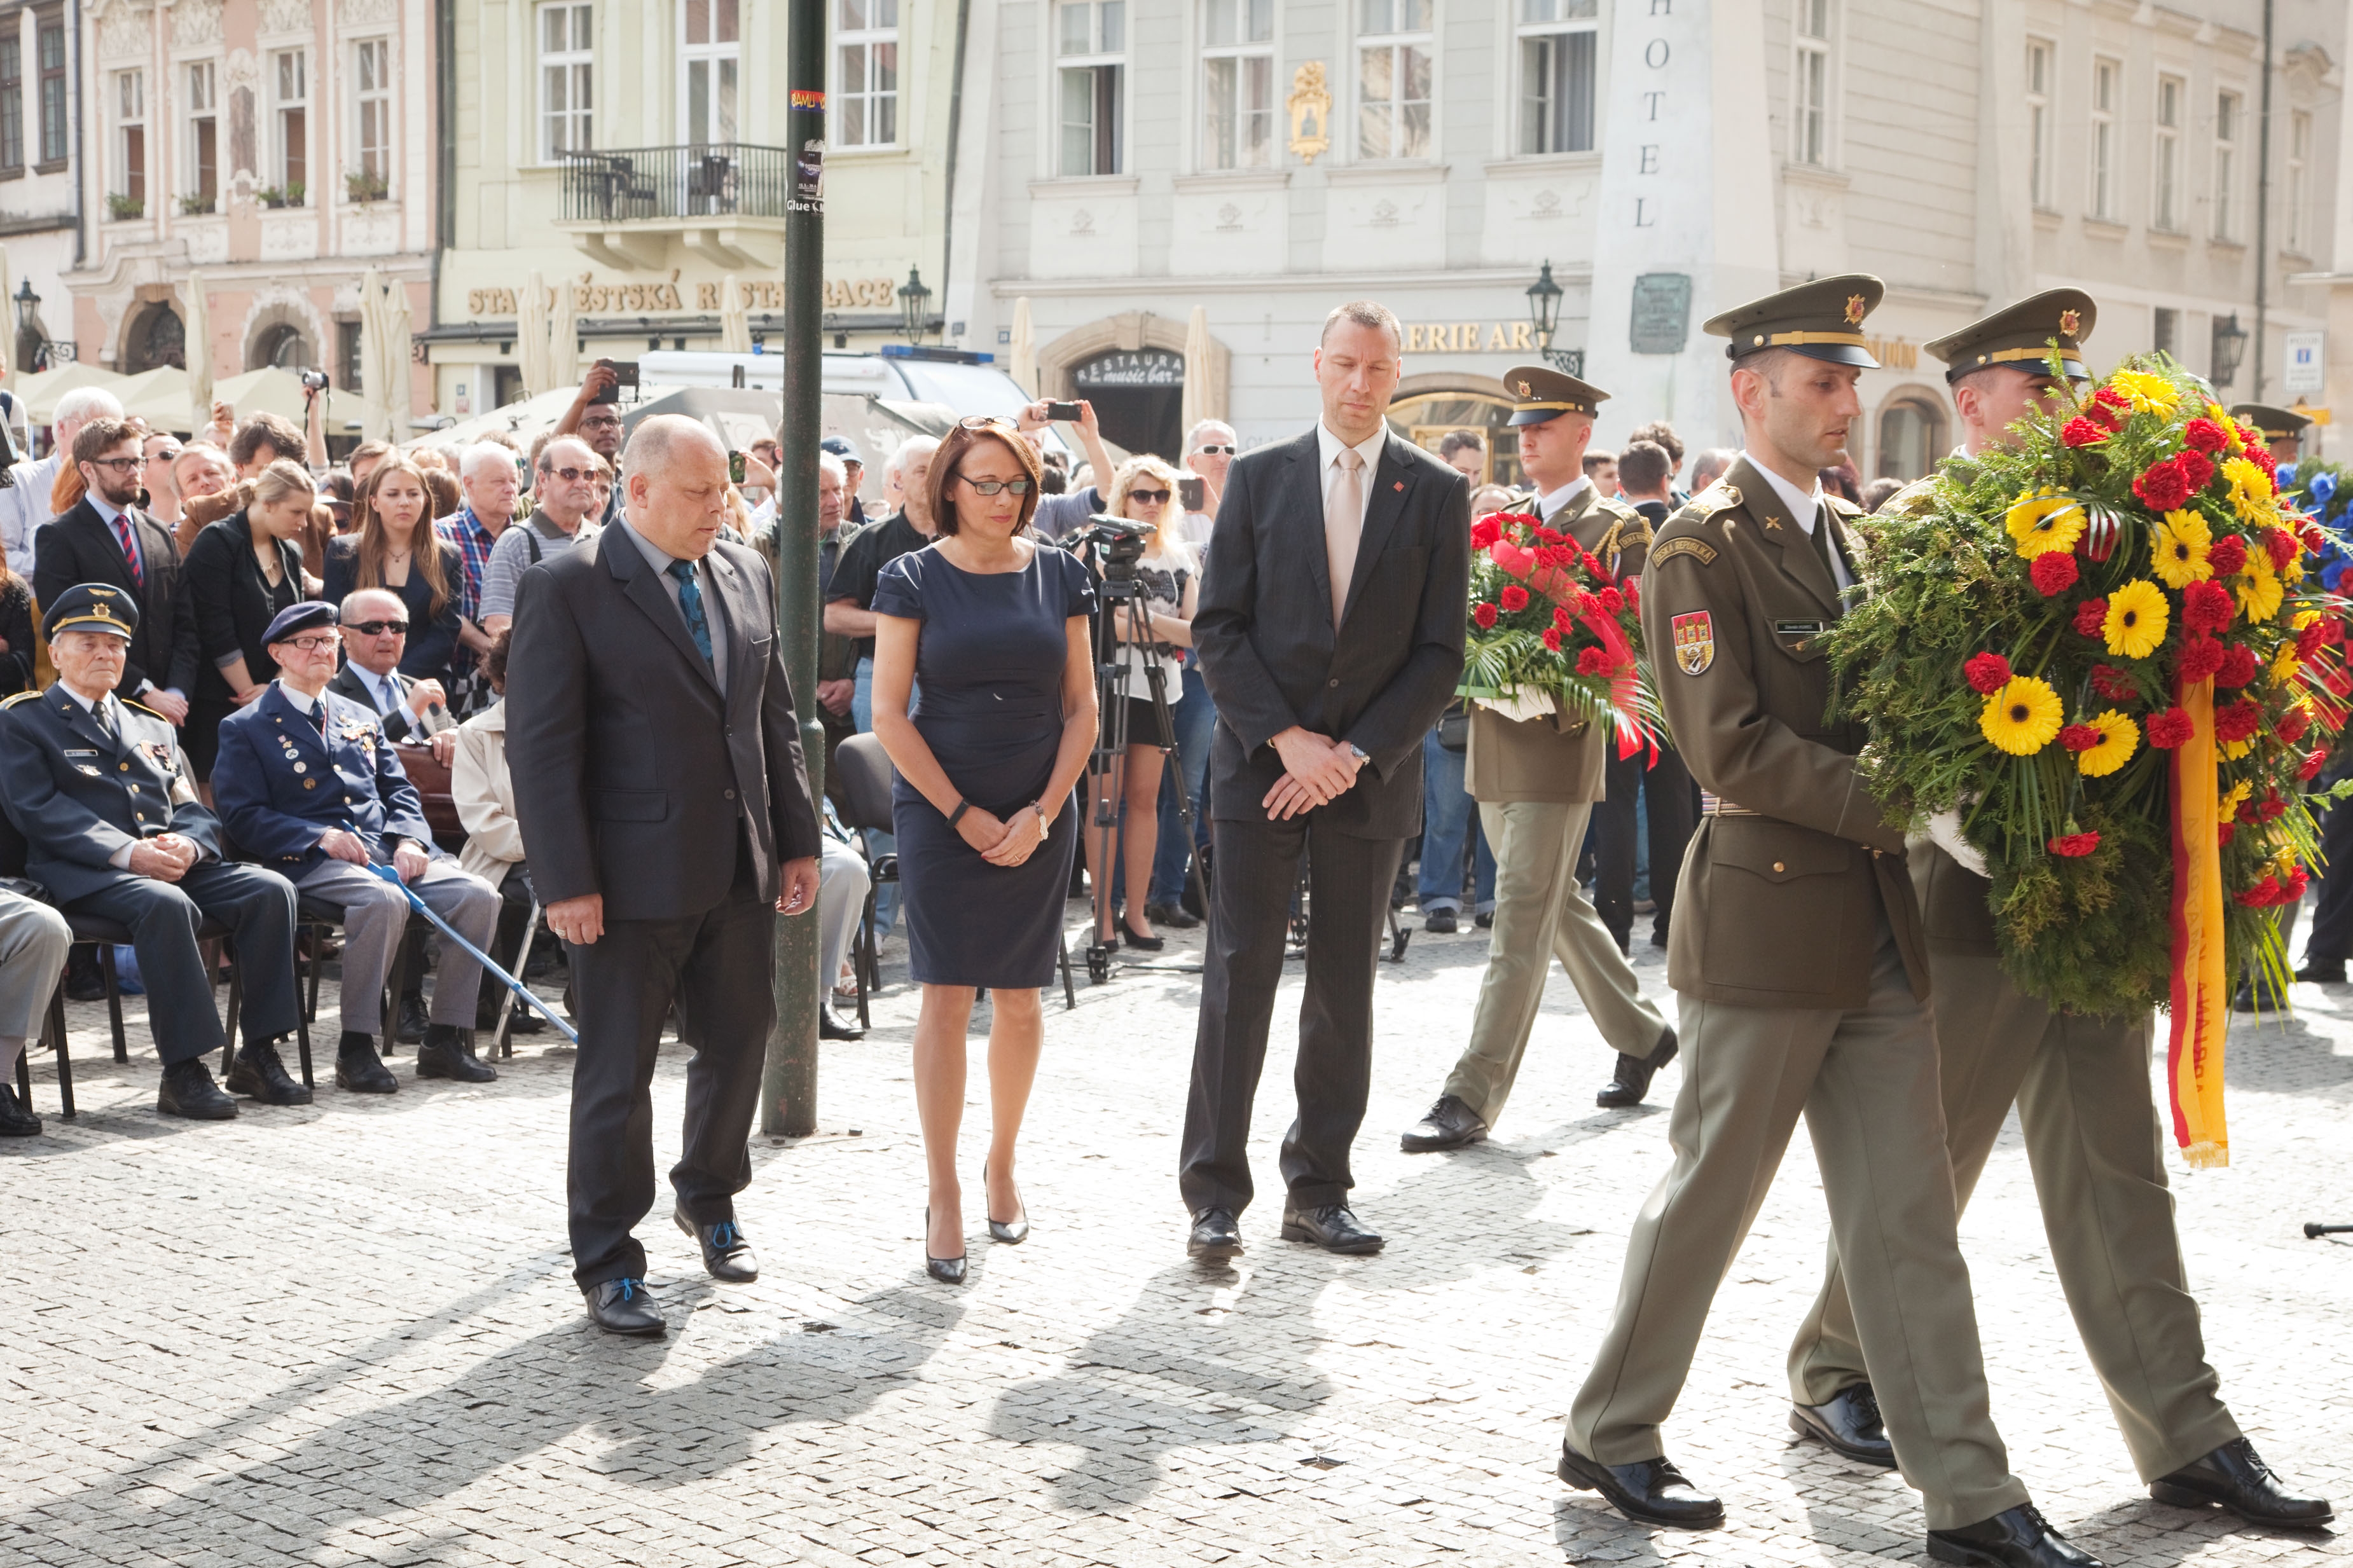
x=1273 y=659
x=631 y=772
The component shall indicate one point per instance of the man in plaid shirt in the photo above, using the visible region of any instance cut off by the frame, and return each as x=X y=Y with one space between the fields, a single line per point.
x=488 y=478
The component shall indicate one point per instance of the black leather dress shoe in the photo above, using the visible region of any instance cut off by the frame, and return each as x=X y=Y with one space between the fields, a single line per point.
x=2015 y=1538
x=85 y=980
x=1216 y=1235
x=16 y=1120
x=1441 y=923
x=413 y=1026
x=2235 y=1477
x=831 y=1026
x=2322 y=973
x=359 y=1069
x=188 y=1090
x=1484 y=920
x=1450 y=1124
x=2257 y=998
x=258 y=1074
x=625 y=1306
x=1849 y=1422
x=1173 y=916
x=726 y=1254
x=446 y=1053
x=1649 y=1491
x=1330 y=1226
x=1631 y=1081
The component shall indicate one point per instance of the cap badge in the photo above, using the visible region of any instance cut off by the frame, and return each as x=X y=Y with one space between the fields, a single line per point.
x=1525 y=390
x=1854 y=309
x=2069 y=320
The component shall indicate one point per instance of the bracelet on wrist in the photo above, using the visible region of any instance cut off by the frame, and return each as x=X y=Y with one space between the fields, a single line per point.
x=956 y=815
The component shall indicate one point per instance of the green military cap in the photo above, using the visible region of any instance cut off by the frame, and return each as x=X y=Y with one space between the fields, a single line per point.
x=2275 y=424
x=93 y=607
x=1821 y=319
x=2021 y=335
x=1540 y=392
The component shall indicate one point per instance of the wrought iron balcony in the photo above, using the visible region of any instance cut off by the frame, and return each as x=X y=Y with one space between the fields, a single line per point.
x=623 y=204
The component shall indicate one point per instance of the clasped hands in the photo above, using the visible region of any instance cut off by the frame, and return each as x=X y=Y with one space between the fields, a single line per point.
x=581 y=921
x=1003 y=841
x=1317 y=770
x=166 y=858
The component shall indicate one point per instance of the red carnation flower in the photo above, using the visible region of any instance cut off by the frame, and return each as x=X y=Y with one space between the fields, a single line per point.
x=2340 y=683
x=1612 y=601
x=2208 y=606
x=2082 y=432
x=2109 y=397
x=2074 y=846
x=1552 y=639
x=2170 y=729
x=2294 y=723
x=2080 y=737
x=1484 y=613
x=2314 y=761
x=1592 y=661
x=2196 y=469
x=2225 y=832
x=2204 y=435
x=1514 y=598
x=2239 y=721
x=2163 y=486
x=2227 y=555
x=2201 y=658
x=1560 y=617
x=1592 y=566
x=2282 y=545
x=1633 y=590
x=2113 y=683
x=2238 y=667
x=1485 y=531
x=2331 y=629
x=2054 y=571
x=2271 y=808
x=2309 y=639
x=1987 y=673
x=2260 y=455
x=2315 y=538
x=1547 y=536
x=2091 y=616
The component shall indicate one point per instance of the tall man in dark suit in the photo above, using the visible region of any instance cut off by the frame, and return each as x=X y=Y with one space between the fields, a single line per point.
x=667 y=819
x=106 y=538
x=1331 y=634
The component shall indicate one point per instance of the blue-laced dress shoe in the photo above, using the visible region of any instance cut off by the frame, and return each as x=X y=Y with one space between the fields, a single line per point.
x=725 y=1253
x=624 y=1306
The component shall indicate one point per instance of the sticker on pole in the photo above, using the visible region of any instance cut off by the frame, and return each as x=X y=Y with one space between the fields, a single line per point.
x=809 y=178
x=808 y=97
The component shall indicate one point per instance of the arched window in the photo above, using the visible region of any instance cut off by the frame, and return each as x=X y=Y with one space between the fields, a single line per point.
x=157 y=337
x=1425 y=418
x=282 y=345
x=1911 y=437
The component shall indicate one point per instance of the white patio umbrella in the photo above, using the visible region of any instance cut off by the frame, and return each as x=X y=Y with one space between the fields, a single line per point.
x=734 y=317
x=197 y=318
x=564 y=338
x=1196 y=400
x=398 y=351
x=1022 y=355
x=373 y=380
x=531 y=335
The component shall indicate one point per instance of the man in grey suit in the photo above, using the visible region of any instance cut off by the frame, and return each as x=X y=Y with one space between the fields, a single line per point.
x=667 y=819
x=1330 y=629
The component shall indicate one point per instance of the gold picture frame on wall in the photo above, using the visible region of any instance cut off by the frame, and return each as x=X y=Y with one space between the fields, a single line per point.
x=1311 y=112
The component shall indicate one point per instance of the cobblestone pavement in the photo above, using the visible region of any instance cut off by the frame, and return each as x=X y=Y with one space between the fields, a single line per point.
x=346 y=1333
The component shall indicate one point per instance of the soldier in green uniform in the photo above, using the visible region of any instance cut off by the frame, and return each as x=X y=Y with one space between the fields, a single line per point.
x=2080 y=1084
x=2282 y=428
x=1536 y=777
x=1796 y=950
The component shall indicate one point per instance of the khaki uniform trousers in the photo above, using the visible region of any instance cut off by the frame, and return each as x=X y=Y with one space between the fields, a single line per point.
x=2093 y=1138
x=1541 y=914
x=1866 y=1082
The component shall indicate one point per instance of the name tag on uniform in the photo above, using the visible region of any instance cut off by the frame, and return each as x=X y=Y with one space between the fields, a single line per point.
x=81 y=754
x=1800 y=628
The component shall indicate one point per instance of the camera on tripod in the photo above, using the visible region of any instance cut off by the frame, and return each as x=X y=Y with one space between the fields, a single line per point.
x=1119 y=541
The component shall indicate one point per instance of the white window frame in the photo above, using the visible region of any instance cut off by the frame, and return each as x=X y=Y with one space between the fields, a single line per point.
x=2042 y=60
x=127 y=96
x=1400 y=43
x=1103 y=47
x=724 y=60
x=1812 y=23
x=868 y=96
x=200 y=104
x=1536 y=118
x=2167 y=113
x=1247 y=63
x=2230 y=122
x=377 y=99
x=573 y=67
x=2297 y=240
x=280 y=101
x=2101 y=146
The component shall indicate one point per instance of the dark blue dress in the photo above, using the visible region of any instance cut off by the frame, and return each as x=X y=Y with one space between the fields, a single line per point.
x=988 y=679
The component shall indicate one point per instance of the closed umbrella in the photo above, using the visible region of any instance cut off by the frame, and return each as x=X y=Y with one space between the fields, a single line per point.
x=1197 y=368
x=371 y=367
x=1024 y=352
x=564 y=338
x=531 y=335
x=734 y=317
x=399 y=349
x=198 y=319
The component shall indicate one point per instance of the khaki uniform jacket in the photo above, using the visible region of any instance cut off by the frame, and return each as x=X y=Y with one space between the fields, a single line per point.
x=1779 y=904
x=1559 y=759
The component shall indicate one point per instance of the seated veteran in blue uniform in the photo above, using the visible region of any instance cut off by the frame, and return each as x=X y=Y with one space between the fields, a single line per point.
x=101 y=792
x=307 y=783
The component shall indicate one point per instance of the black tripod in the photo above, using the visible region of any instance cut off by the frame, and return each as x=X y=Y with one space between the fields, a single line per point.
x=1121 y=594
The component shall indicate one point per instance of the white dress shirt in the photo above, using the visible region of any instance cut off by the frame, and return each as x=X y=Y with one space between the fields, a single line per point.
x=1552 y=501
x=1803 y=509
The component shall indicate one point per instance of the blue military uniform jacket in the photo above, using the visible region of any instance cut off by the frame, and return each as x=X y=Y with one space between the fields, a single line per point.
x=280 y=784
x=78 y=795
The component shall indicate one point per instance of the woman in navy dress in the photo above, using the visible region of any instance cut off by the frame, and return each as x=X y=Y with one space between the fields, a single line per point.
x=990 y=623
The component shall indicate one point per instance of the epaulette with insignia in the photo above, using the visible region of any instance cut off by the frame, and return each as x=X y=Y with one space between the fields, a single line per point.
x=142 y=707
x=1842 y=506
x=20 y=697
x=1716 y=498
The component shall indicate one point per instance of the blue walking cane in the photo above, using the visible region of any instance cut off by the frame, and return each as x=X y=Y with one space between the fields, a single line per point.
x=522 y=992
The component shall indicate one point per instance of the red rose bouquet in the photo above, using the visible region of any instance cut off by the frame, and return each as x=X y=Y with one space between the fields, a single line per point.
x=1550 y=626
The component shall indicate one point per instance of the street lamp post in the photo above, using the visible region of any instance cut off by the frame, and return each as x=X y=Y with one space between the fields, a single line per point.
x=1544 y=315
x=914 y=307
x=2230 y=348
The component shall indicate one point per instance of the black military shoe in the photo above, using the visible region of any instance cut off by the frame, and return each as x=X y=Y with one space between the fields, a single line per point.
x=1650 y=1491
x=1331 y=1226
x=2235 y=1477
x=1631 y=1081
x=725 y=1253
x=1215 y=1236
x=17 y=1121
x=446 y=1053
x=2320 y=971
x=188 y=1090
x=2255 y=996
x=258 y=1074
x=85 y=980
x=413 y=1026
x=1441 y=923
x=1849 y=1423
x=625 y=1306
x=1450 y=1124
x=832 y=1025
x=1173 y=916
x=359 y=1069
x=1484 y=920
x=2015 y=1538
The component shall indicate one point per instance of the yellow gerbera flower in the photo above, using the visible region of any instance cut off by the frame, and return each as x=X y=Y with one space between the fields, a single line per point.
x=2233 y=750
x=2044 y=521
x=2137 y=619
x=2250 y=491
x=2148 y=393
x=2258 y=588
x=2023 y=717
x=2285 y=663
x=2230 y=802
x=2178 y=554
x=2215 y=412
x=2119 y=738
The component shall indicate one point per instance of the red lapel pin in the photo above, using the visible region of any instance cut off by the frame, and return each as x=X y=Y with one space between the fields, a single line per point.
x=1399 y=484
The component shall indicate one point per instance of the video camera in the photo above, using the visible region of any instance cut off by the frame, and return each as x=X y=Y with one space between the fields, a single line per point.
x=1120 y=538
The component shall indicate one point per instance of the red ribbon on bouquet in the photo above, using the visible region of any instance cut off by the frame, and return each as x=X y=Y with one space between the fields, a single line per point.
x=1567 y=592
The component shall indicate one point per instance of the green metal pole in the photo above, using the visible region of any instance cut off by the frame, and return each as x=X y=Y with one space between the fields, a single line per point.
x=788 y=1084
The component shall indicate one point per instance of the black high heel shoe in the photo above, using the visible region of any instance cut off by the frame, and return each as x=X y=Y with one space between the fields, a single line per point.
x=946 y=1270
x=1128 y=937
x=1011 y=1232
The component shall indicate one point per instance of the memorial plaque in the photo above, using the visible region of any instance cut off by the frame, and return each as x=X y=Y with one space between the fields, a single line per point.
x=1662 y=314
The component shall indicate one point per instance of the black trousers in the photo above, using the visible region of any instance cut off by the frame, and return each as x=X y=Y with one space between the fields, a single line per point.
x=2331 y=939
x=716 y=968
x=1347 y=906
x=1669 y=785
x=258 y=907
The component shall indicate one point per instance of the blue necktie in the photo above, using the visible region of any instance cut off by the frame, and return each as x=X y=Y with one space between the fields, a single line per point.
x=690 y=604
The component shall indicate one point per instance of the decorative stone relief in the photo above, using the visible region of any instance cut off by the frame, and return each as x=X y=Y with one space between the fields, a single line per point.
x=124 y=32
x=1083 y=222
x=196 y=23
x=293 y=237
x=1545 y=206
x=206 y=240
x=1385 y=214
x=1229 y=217
x=372 y=230
x=286 y=17
x=356 y=13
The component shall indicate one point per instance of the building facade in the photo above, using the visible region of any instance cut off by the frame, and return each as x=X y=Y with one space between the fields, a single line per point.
x=632 y=152
x=40 y=212
x=273 y=149
x=1660 y=160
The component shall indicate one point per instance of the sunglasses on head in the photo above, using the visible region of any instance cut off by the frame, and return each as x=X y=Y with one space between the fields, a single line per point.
x=377 y=628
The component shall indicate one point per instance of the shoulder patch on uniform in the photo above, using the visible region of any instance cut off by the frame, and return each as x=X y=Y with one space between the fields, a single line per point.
x=1695 y=638
x=142 y=707
x=1699 y=550
x=20 y=697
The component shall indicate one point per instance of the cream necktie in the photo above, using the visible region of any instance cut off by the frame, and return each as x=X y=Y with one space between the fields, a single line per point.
x=1344 y=527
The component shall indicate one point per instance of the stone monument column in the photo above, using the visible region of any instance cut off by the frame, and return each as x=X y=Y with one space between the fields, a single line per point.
x=1687 y=221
